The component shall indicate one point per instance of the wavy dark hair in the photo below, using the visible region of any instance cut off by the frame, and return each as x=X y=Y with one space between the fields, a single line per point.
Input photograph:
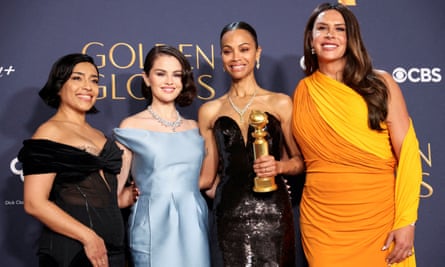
x=240 y=25
x=189 y=90
x=60 y=73
x=358 y=72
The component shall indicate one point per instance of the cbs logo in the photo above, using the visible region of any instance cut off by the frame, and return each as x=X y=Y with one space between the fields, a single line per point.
x=417 y=75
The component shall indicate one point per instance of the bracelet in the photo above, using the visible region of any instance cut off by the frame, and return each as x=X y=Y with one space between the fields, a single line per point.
x=413 y=224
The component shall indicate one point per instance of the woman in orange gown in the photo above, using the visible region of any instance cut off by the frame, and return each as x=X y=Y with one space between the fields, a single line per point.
x=362 y=188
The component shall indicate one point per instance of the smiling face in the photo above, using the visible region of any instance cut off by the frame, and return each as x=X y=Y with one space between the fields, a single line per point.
x=239 y=53
x=329 y=37
x=81 y=89
x=165 y=78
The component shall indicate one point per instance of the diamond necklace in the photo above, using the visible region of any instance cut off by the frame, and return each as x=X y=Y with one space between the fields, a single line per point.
x=169 y=124
x=243 y=110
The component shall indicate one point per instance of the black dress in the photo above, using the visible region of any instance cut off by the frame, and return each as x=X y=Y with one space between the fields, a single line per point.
x=83 y=193
x=252 y=229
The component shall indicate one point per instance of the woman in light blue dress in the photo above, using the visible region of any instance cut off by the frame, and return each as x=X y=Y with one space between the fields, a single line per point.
x=164 y=152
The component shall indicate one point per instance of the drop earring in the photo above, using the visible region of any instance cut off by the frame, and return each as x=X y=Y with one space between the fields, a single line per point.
x=258 y=64
x=313 y=51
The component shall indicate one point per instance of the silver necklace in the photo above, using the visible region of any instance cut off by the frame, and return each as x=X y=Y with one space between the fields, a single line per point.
x=169 y=124
x=243 y=110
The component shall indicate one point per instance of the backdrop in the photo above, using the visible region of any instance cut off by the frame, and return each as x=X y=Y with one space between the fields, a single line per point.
x=404 y=37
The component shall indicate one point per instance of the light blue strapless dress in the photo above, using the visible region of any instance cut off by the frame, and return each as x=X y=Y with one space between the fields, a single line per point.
x=168 y=225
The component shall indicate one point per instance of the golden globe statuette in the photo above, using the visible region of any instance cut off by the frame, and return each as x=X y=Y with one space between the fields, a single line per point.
x=258 y=120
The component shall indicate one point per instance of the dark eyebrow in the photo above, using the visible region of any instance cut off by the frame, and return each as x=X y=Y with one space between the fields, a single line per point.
x=162 y=70
x=337 y=24
x=83 y=74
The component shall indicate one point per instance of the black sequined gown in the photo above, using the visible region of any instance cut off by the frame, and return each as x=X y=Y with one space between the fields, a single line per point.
x=252 y=229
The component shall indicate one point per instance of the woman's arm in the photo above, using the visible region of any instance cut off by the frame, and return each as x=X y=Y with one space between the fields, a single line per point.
x=398 y=118
x=398 y=124
x=37 y=188
x=292 y=162
x=210 y=162
x=127 y=195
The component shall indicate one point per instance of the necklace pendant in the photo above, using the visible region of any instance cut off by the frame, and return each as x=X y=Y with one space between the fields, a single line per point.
x=243 y=110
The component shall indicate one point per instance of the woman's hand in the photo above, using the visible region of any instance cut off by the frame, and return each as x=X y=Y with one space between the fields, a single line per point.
x=128 y=196
x=95 y=250
x=265 y=166
x=403 y=239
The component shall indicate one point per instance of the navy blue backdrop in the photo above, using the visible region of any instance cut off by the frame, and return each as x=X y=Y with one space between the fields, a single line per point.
x=404 y=37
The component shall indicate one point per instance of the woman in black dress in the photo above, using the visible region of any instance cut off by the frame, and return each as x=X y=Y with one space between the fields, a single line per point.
x=70 y=174
x=250 y=229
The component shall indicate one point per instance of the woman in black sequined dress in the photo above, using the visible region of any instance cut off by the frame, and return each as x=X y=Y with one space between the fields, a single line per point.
x=250 y=229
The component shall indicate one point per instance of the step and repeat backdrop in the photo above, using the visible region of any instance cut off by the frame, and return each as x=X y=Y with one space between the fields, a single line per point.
x=404 y=37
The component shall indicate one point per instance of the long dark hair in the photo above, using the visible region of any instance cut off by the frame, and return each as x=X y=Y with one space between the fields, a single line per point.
x=189 y=90
x=358 y=72
x=60 y=73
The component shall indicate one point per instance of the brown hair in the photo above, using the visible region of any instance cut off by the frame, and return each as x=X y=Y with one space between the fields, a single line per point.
x=189 y=90
x=358 y=72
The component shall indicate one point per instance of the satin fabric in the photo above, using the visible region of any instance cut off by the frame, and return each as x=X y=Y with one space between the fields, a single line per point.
x=352 y=197
x=168 y=225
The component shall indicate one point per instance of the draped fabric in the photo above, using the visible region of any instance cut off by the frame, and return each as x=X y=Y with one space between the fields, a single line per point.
x=81 y=191
x=352 y=197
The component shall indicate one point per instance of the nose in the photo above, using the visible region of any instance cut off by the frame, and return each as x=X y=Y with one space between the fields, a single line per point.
x=329 y=34
x=235 y=55
x=169 y=80
x=89 y=85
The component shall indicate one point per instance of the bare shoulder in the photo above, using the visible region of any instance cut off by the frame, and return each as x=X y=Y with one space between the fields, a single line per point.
x=392 y=85
x=278 y=100
x=209 y=108
x=212 y=104
x=49 y=130
x=283 y=99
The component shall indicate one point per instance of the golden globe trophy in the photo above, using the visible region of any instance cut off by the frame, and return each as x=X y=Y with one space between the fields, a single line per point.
x=258 y=120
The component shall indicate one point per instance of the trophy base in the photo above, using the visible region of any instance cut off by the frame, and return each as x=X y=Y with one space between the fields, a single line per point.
x=264 y=185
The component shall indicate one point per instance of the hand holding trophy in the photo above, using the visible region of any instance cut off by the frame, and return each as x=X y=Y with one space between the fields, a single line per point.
x=258 y=120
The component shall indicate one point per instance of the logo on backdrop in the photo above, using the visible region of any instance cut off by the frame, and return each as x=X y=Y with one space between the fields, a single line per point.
x=417 y=75
x=13 y=167
x=6 y=71
x=123 y=56
x=347 y=2
x=426 y=189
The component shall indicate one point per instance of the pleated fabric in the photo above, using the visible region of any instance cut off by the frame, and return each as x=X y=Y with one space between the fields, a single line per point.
x=356 y=192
